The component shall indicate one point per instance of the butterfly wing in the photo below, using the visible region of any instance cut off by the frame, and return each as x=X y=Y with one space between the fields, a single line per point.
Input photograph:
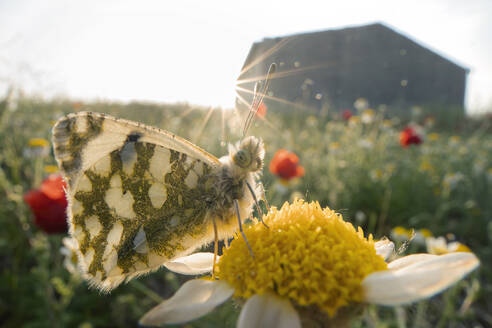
x=137 y=195
x=82 y=138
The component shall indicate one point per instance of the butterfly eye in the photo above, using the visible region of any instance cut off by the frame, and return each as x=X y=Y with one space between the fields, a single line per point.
x=242 y=158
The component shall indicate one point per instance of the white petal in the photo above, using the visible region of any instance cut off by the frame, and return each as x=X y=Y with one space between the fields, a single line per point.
x=268 y=311
x=194 y=299
x=198 y=263
x=384 y=248
x=436 y=245
x=405 y=261
x=417 y=277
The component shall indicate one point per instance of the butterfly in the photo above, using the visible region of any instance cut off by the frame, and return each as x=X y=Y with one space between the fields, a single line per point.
x=140 y=196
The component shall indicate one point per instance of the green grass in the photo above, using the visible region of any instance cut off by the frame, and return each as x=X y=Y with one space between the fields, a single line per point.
x=360 y=170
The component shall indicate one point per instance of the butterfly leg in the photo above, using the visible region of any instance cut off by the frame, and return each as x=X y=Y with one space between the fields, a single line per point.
x=260 y=212
x=236 y=203
x=216 y=247
x=263 y=196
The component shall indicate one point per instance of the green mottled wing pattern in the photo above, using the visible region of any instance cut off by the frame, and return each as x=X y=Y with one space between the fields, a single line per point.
x=137 y=195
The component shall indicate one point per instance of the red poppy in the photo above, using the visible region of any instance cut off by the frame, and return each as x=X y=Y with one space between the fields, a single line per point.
x=285 y=164
x=408 y=137
x=49 y=205
x=346 y=114
x=262 y=110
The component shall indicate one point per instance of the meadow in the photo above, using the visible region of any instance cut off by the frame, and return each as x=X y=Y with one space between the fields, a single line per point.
x=359 y=166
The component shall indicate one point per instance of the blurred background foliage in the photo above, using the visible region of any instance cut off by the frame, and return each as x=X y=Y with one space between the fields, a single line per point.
x=355 y=165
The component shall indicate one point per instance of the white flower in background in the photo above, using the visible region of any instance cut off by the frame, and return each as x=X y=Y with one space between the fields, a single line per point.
x=376 y=175
x=334 y=147
x=354 y=121
x=310 y=266
x=478 y=167
x=70 y=255
x=361 y=103
x=37 y=147
x=451 y=180
x=454 y=140
x=440 y=246
x=401 y=234
x=312 y=121
x=463 y=150
x=368 y=116
x=421 y=236
x=382 y=174
x=366 y=143
x=360 y=217
x=416 y=111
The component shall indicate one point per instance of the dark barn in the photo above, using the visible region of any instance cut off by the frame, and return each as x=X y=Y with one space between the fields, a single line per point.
x=333 y=68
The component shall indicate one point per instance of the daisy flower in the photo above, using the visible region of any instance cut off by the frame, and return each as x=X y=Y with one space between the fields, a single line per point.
x=368 y=116
x=37 y=147
x=68 y=250
x=310 y=267
x=401 y=234
x=361 y=103
x=440 y=246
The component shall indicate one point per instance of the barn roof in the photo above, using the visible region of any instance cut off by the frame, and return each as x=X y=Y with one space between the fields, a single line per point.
x=347 y=32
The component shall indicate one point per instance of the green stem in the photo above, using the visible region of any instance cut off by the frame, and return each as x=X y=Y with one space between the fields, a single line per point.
x=384 y=210
x=419 y=316
x=38 y=172
x=400 y=316
x=147 y=292
x=448 y=308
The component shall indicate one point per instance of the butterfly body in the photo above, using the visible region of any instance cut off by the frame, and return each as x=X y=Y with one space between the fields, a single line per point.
x=140 y=196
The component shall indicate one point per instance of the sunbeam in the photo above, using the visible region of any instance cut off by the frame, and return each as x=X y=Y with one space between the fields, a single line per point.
x=265 y=55
x=286 y=73
x=222 y=127
x=186 y=112
x=283 y=101
x=264 y=119
x=202 y=127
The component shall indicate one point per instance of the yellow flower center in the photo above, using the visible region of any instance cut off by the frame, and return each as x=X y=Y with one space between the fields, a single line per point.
x=461 y=248
x=426 y=232
x=308 y=254
x=434 y=136
x=38 y=142
x=50 y=169
x=402 y=232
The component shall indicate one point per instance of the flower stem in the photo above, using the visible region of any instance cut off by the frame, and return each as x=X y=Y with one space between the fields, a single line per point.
x=147 y=292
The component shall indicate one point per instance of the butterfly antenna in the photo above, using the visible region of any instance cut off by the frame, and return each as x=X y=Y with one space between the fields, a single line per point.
x=258 y=98
x=251 y=111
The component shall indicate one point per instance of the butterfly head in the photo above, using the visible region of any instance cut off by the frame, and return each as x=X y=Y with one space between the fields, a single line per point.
x=248 y=154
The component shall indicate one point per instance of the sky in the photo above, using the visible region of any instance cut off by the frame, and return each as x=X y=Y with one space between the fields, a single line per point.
x=193 y=51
